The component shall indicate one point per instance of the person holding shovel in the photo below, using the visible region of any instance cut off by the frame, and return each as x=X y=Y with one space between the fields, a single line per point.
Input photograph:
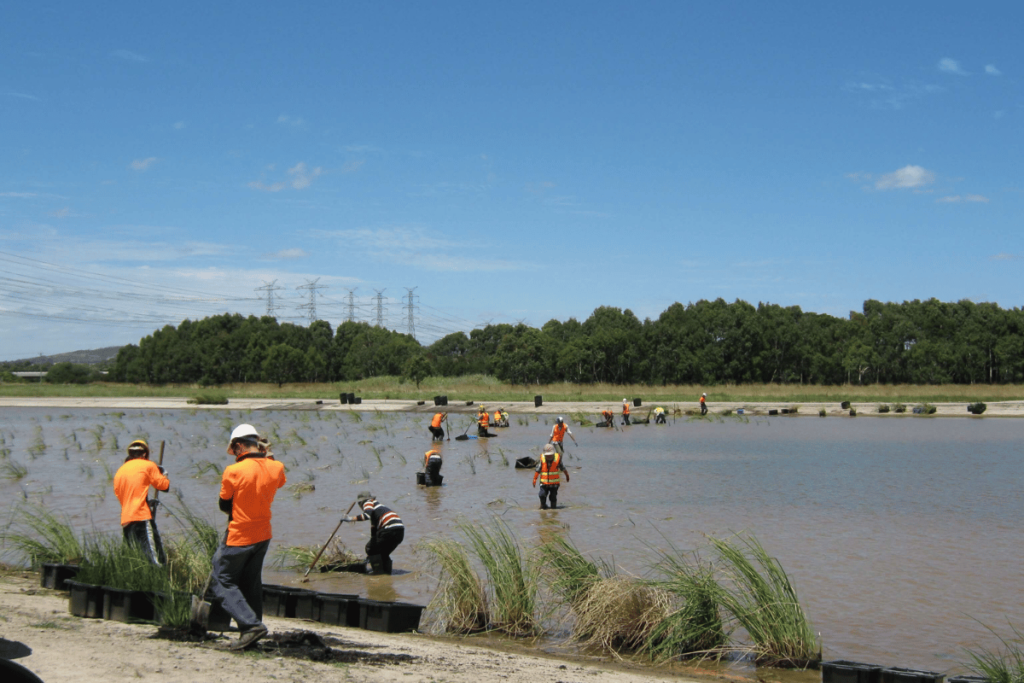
x=247 y=490
x=131 y=486
x=386 y=532
x=435 y=426
x=558 y=432
x=547 y=470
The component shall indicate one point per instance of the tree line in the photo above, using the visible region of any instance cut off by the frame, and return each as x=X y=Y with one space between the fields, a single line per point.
x=707 y=342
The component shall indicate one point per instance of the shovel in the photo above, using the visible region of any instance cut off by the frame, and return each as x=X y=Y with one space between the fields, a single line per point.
x=305 y=577
x=200 y=618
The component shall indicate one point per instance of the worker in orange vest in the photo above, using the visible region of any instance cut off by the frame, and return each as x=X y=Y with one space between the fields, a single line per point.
x=547 y=471
x=609 y=418
x=131 y=486
x=431 y=465
x=483 y=422
x=703 y=405
x=435 y=426
x=625 y=412
x=558 y=432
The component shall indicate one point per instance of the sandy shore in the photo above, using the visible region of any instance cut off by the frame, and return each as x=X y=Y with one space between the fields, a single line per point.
x=995 y=409
x=66 y=648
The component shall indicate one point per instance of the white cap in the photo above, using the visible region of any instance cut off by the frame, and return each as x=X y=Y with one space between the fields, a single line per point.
x=703 y=394
x=549 y=449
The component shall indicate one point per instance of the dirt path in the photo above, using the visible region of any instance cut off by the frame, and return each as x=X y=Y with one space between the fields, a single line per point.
x=67 y=648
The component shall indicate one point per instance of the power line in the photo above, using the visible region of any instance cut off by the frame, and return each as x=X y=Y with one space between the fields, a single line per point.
x=310 y=307
x=411 y=324
x=380 y=306
x=270 y=288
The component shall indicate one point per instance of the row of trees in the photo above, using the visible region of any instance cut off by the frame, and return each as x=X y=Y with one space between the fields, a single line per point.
x=708 y=342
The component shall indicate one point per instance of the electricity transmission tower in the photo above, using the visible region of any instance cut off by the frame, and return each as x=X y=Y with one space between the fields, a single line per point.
x=351 y=305
x=310 y=307
x=410 y=307
x=269 y=288
x=380 y=306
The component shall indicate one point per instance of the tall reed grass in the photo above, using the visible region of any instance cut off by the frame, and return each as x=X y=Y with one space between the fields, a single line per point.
x=1003 y=665
x=512 y=585
x=38 y=536
x=460 y=598
x=757 y=592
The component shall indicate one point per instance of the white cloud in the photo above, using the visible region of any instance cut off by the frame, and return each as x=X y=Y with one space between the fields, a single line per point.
x=286 y=120
x=142 y=164
x=951 y=66
x=906 y=177
x=352 y=166
x=23 y=96
x=61 y=213
x=952 y=199
x=20 y=195
x=178 y=125
x=294 y=253
x=991 y=70
x=129 y=56
x=1004 y=257
x=301 y=177
x=976 y=198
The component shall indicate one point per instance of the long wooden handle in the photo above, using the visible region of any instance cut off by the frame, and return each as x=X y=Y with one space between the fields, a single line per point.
x=324 y=547
x=160 y=463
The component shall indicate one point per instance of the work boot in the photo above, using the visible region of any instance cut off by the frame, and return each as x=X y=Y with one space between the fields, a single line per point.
x=249 y=637
x=376 y=566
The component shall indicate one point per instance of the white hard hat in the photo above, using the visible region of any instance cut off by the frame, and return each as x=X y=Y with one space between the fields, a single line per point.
x=549 y=449
x=703 y=394
x=625 y=400
x=560 y=419
x=243 y=431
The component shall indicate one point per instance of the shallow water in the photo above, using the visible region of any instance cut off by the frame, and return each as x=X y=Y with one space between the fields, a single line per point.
x=902 y=535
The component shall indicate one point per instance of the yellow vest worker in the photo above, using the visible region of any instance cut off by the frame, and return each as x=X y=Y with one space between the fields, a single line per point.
x=547 y=471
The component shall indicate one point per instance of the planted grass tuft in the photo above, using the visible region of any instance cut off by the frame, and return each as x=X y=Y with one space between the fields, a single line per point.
x=1004 y=665
x=460 y=599
x=511 y=585
x=620 y=613
x=39 y=536
x=757 y=592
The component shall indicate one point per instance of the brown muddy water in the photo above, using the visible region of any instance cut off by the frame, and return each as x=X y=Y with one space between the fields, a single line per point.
x=902 y=535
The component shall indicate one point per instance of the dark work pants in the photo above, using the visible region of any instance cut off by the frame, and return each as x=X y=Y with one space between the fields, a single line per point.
x=141 y=535
x=703 y=409
x=625 y=418
x=238 y=581
x=433 y=469
x=548 y=492
x=559 y=446
x=381 y=545
x=437 y=432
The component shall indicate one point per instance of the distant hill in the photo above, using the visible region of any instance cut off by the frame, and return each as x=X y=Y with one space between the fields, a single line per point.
x=91 y=357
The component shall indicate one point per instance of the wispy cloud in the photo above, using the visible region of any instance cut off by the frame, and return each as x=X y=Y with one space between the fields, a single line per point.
x=20 y=195
x=23 y=96
x=904 y=178
x=991 y=70
x=288 y=254
x=178 y=125
x=286 y=120
x=1004 y=257
x=301 y=177
x=142 y=164
x=884 y=95
x=129 y=56
x=61 y=213
x=413 y=246
x=352 y=166
x=953 y=199
x=951 y=66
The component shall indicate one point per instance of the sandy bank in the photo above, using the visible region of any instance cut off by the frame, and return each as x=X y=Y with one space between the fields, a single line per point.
x=67 y=648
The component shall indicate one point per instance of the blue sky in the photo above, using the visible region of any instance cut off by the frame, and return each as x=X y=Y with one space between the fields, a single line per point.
x=511 y=161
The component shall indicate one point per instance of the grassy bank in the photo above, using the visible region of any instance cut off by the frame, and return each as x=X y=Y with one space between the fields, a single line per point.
x=485 y=388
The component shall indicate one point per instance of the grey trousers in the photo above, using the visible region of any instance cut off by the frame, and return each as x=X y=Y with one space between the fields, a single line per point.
x=238 y=581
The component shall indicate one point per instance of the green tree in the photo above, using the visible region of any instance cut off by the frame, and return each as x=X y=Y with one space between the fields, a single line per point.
x=417 y=369
x=284 y=364
x=69 y=373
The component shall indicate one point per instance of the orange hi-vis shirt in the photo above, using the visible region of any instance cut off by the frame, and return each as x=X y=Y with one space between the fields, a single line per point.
x=558 y=432
x=436 y=422
x=131 y=486
x=251 y=484
x=625 y=409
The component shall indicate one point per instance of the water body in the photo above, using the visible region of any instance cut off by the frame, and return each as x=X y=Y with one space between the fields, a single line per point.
x=903 y=536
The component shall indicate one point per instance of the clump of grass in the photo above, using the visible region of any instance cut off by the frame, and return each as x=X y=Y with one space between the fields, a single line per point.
x=794 y=409
x=568 y=573
x=581 y=418
x=696 y=627
x=299 y=557
x=926 y=409
x=727 y=412
x=111 y=562
x=302 y=488
x=209 y=399
x=759 y=595
x=12 y=470
x=822 y=412
x=1004 y=665
x=39 y=536
x=460 y=598
x=620 y=613
x=512 y=587
x=977 y=408
x=883 y=408
x=899 y=407
x=853 y=412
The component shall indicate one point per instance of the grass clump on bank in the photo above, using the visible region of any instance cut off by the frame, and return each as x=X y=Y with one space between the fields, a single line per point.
x=1004 y=665
x=512 y=586
x=460 y=598
x=41 y=537
x=758 y=594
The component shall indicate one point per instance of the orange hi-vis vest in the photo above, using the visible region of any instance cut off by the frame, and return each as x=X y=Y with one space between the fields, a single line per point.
x=548 y=470
x=436 y=422
x=432 y=454
x=485 y=420
x=608 y=415
x=558 y=432
x=702 y=399
x=625 y=409
x=251 y=484
x=131 y=486
x=497 y=416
